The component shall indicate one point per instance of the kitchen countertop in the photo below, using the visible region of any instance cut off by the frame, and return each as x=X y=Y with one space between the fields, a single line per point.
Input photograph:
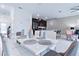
x=36 y=48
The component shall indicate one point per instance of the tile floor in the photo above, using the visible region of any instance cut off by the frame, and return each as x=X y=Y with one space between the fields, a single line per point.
x=13 y=49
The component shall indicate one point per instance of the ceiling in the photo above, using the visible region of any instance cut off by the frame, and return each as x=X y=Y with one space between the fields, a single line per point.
x=4 y=12
x=47 y=10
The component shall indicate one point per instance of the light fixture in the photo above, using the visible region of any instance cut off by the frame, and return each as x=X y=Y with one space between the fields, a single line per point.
x=72 y=25
x=37 y=16
x=46 y=17
x=3 y=24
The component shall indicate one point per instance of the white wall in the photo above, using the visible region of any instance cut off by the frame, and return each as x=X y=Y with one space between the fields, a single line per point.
x=22 y=20
x=64 y=22
x=70 y=21
x=50 y=34
x=56 y=25
x=6 y=20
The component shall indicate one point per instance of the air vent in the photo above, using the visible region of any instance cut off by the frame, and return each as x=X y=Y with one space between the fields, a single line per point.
x=77 y=8
x=74 y=9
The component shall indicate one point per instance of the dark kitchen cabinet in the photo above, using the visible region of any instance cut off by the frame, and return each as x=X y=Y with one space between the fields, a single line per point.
x=36 y=23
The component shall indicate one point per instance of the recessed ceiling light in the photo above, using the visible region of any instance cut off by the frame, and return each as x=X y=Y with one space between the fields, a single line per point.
x=20 y=7
x=46 y=17
x=37 y=16
x=72 y=25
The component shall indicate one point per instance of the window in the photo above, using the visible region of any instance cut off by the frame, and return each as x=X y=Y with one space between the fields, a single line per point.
x=3 y=28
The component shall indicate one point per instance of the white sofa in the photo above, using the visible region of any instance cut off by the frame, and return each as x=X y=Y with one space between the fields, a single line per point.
x=61 y=46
